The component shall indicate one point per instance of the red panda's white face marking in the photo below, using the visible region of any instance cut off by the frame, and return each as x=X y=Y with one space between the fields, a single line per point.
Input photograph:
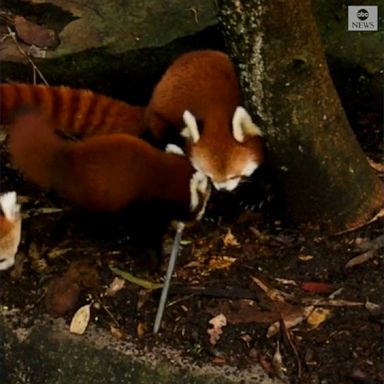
x=233 y=181
x=228 y=185
x=224 y=159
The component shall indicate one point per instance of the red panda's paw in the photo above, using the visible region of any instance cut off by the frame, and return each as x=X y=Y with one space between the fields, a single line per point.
x=175 y=149
x=7 y=263
x=200 y=189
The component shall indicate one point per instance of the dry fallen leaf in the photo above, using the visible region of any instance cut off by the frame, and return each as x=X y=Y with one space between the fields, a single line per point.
x=305 y=257
x=373 y=244
x=255 y=231
x=273 y=293
x=220 y=262
x=142 y=297
x=46 y=210
x=317 y=316
x=317 y=287
x=379 y=167
x=116 y=285
x=378 y=216
x=141 y=329
x=364 y=257
x=247 y=339
x=193 y=264
x=244 y=311
x=35 y=34
x=360 y=240
x=218 y=322
x=291 y=316
x=285 y=281
x=273 y=329
x=80 y=320
x=117 y=333
x=230 y=240
x=372 y=307
x=57 y=252
x=218 y=360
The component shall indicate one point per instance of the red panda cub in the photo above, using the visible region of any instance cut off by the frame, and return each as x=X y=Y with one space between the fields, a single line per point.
x=199 y=96
x=10 y=229
x=77 y=112
x=105 y=173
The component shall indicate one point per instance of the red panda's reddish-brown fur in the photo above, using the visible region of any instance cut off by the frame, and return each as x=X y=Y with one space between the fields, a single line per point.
x=203 y=82
x=78 y=112
x=105 y=173
x=199 y=96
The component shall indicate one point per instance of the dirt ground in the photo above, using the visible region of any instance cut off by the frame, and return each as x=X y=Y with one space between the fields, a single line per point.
x=305 y=305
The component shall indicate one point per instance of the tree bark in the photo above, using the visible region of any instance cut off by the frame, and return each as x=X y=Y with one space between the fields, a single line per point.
x=323 y=173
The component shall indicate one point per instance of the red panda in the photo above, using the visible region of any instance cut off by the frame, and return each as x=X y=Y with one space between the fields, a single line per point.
x=10 y=229
x=76 y=112
x=104 y=173
x=199 y=96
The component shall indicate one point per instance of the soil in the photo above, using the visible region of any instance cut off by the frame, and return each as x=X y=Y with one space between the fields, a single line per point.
x=244 y=260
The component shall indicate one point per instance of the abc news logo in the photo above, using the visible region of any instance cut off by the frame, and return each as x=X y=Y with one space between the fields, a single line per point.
x=362 y=14
x=362 y=18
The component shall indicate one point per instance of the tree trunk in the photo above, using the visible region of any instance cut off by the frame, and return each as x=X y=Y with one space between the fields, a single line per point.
x=323 y=172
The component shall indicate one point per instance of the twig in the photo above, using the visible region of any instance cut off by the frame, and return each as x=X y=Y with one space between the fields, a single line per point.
x=181 y=299
x=35 y=69
x=222 y=292
x=375 y=218
x=335 y=303
x=273 y=293
x=109 y=313
x=294 y=349
x=195 y=14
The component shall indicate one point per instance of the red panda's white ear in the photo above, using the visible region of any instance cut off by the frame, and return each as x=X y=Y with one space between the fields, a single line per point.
x=9 y=206
x=191 y=130
x=242 y=125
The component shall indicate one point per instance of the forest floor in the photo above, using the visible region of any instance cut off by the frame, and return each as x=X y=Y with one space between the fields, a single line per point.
x=306 y=306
